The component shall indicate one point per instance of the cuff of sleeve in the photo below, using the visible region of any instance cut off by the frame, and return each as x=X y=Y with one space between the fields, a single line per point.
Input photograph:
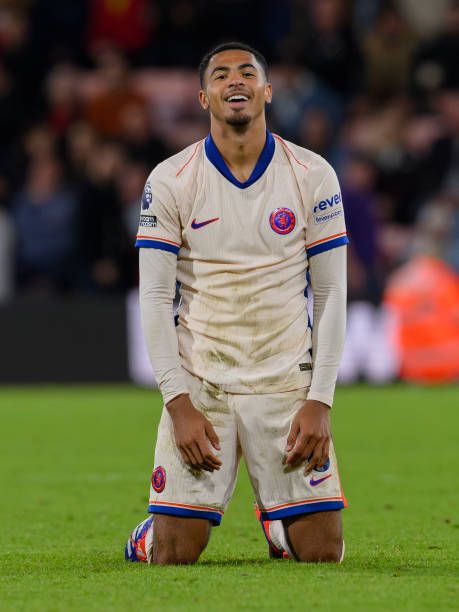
x=326 y=398
x=326 y=244
x=169 y=396
x=157 y=243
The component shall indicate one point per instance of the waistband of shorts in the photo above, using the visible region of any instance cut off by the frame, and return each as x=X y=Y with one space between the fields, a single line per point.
x=295 y=382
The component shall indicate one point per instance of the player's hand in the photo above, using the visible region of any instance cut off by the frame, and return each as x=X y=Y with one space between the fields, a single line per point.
x=309 y=437
x=193 y=432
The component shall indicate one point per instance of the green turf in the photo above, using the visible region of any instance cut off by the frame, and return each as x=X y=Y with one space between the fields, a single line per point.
x=74 y=473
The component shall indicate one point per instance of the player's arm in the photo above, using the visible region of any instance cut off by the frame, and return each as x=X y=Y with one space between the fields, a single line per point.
x=159 y=240
x=157 y=274
x=328 y=281
x=157 y=290
x=309 y=437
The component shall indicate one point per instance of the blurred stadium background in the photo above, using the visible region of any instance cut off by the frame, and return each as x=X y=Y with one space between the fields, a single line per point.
x=94 y=93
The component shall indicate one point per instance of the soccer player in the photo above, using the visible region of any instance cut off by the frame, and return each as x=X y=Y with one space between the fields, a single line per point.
x=239 y=219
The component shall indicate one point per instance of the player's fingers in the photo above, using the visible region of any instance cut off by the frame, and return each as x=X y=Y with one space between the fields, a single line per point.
x=315 y=458
x=325 y=453
x=292 y=437
x=295 y=456
x=195 y=462
x=201 y=463
x=212 y=435
x=212 y=461
x=208 y=460
x=186 y=456
x=309 y=452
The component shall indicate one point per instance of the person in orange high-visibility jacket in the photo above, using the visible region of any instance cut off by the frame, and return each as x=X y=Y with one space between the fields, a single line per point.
x=424 y=294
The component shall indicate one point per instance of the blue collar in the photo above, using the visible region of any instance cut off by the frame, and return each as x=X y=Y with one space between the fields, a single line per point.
x=215 y=158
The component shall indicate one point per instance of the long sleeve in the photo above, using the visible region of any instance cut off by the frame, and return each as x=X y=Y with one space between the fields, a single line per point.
x=328 y=281
x=157 y=290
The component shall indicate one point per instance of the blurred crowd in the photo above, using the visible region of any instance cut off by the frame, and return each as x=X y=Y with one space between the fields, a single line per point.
x=94 y=93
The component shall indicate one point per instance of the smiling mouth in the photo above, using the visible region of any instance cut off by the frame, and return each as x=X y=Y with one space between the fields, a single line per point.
x=237 y=101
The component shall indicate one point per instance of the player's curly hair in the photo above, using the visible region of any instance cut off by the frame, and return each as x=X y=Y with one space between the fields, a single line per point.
x=226 y=47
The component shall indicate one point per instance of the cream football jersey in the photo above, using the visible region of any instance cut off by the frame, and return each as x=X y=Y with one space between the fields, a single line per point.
x=243 y=251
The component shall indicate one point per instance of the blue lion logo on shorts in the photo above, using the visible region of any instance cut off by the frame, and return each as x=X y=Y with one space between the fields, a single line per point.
x=324 y=468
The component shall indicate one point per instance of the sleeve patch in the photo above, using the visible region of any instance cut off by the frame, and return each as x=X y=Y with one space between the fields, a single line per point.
x=318 y=219
x=328 y=209
x=147 y=196
x=148 y=221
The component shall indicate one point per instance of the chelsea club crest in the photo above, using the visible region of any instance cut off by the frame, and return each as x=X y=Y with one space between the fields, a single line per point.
x=158 y=479
x=282 y=220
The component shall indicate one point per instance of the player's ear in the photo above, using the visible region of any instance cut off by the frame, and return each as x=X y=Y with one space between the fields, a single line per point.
x=268 y=93
x=203 y=99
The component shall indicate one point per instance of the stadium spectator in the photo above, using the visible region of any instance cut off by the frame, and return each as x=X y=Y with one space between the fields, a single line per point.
x=447 y=102
x=359 y=195
x=299 y=92
x=21 y=59
x=11 y=114
x=80 y=141
x=62 y=98
x=136 y=134
x=127 y=25
x=316 y=132
x=6 y=246
x=44 y=215
x=105 y=110
x=103 y=245
x=180 y=34
x=388 y=49
x=328 y=46
x=58 y=29
x=435 y=65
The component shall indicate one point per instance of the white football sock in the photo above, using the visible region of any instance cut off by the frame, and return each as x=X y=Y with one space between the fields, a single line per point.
x=342 y=553
x=278 y=537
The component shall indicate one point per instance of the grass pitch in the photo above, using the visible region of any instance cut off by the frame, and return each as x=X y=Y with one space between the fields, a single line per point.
x=75 y=469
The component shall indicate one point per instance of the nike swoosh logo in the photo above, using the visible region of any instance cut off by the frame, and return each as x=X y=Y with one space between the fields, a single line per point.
x=196 y=225
x=314 y=483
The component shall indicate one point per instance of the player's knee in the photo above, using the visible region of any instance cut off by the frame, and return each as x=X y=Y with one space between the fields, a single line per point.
x=170 y=555
x=316 y=537
x=329 y=551
x=174 y=551
x=178 y=547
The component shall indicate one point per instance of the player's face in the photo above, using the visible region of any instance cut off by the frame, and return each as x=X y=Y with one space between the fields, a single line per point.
x=235 y=89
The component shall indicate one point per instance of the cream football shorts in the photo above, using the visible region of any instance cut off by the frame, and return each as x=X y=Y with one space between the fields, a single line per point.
x=254 y=427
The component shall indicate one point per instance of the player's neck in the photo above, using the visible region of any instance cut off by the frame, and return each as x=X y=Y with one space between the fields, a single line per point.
x=240 y=148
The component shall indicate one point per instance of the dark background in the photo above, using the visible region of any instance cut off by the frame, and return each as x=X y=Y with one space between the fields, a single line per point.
x=94 y=93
